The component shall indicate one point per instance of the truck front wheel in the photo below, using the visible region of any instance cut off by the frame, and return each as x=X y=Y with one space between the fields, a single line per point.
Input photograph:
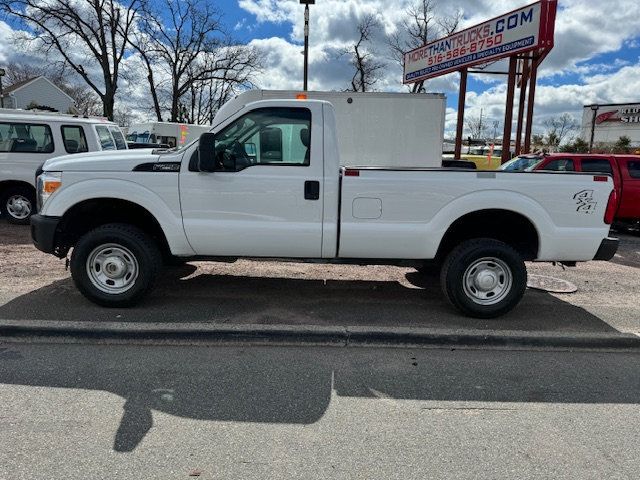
x=484 y=278
x=115 y=265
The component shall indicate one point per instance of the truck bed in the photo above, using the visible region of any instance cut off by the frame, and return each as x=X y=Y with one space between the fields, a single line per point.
x=409 y=209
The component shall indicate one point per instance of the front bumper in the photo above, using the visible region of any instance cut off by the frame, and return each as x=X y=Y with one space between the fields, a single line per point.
x=43 y=232
x=607 y=250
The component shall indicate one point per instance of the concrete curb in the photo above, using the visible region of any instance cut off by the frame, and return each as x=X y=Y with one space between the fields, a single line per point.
x=200 y=333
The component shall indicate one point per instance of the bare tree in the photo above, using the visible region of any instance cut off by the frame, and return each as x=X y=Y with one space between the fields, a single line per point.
x=362 y=58
x=421 y=25
x=89 y=35
x=477 y=127
x=186 y=46
x=207 y=96
x=559 y=129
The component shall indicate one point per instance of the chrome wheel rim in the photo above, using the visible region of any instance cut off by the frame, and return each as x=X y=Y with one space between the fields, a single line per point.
x=112 y=268
x=487 y=281
x=18 y=206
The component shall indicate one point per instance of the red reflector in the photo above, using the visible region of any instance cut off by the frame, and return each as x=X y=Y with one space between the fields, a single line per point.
x=351 y=173
x=612 y=207
x=600 y=179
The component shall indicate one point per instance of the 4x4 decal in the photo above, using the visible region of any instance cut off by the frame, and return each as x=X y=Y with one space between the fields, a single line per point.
x=586 y=203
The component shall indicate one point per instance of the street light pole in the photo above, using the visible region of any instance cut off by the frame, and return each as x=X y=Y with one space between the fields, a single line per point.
x=594 y=108
x=306 y=4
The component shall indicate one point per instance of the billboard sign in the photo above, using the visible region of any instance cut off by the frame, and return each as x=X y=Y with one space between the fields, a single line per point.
x=626 y=114
x=528 y=28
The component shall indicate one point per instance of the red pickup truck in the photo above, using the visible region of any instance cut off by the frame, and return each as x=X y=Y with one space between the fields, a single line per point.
x=625 y=170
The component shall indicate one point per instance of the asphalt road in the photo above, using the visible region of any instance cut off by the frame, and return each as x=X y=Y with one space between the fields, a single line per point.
x=163 y=412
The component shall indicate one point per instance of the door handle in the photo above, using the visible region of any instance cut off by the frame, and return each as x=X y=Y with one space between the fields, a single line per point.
x=311 y=190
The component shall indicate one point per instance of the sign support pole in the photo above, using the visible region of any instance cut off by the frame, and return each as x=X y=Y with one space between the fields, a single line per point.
x=523 y=97
x=461 y=101
x=533 y=78
x=508 y=114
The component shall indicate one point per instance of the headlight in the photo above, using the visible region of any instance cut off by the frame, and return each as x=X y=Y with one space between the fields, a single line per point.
x=48 y=182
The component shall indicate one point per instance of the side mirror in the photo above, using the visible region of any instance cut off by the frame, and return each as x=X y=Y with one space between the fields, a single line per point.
x=207 y=152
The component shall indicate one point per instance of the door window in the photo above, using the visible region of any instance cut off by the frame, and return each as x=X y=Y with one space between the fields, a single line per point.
x=634 y=169
x=596 y=166
x=74 y=139
x=267 y=136
x=559 y=165
x=25 y=138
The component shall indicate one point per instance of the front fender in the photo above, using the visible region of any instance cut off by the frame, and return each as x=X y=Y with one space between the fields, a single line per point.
x=167 y=213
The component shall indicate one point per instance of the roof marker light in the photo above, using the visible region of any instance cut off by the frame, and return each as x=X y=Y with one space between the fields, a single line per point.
x=301 y=96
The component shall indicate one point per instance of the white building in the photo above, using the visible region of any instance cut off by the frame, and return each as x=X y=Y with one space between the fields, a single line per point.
x=612 y=121
x=37 y=91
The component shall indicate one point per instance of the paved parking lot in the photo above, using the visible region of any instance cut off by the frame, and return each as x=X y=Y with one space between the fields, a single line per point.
x=35 y=286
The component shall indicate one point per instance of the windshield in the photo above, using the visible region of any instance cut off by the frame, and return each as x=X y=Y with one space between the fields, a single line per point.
x=521 y=164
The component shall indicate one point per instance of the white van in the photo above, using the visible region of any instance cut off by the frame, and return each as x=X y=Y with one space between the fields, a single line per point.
x=171 y=134
x=29 y=138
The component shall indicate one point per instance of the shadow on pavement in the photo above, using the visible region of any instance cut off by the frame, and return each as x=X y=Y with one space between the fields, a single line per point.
x=629 y=252
x=296 y=386
x=227 y=299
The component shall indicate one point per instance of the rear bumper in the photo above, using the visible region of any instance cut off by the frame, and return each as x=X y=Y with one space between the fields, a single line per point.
x=43 y=232
x=607 y=250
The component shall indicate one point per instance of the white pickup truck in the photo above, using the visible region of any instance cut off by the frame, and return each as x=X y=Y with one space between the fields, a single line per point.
x=267 y=182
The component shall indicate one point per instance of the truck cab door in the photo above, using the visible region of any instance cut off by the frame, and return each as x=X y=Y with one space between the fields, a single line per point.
x=629 y=208
x=264 y=198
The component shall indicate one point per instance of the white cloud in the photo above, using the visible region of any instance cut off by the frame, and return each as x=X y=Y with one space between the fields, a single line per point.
x=619 y=87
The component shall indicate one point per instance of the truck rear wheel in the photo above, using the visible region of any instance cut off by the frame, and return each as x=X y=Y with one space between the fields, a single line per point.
x=115 y=265
x=484 y=278
x=18 y=204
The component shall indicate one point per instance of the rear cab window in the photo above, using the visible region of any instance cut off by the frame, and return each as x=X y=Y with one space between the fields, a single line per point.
x=633 y=167
x=74 y=139
x=596 y=165
x=18 y=137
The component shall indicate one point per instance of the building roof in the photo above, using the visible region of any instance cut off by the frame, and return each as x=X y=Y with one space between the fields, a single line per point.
x=18 y=85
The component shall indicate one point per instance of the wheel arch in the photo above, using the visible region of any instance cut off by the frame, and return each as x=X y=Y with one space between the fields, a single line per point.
x=511 y=227
x=92 y=213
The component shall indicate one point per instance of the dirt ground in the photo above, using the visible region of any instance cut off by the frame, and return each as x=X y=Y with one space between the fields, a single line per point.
x=34 y=285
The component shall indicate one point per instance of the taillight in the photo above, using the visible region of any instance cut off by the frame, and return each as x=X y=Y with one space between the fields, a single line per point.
x=612 y=206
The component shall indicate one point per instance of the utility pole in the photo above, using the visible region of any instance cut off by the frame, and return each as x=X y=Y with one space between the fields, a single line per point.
x=2 y=74
x=306 y=4
x=594 y=109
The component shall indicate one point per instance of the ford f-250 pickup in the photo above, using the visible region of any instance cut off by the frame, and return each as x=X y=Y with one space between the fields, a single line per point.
x=267 y=182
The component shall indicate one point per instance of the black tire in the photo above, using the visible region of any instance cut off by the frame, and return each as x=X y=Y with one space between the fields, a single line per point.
x=466 y=298
x=134 y=243
x=24 y=194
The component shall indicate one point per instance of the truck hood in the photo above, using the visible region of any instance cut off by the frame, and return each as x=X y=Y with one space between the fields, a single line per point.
x=109 y=161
